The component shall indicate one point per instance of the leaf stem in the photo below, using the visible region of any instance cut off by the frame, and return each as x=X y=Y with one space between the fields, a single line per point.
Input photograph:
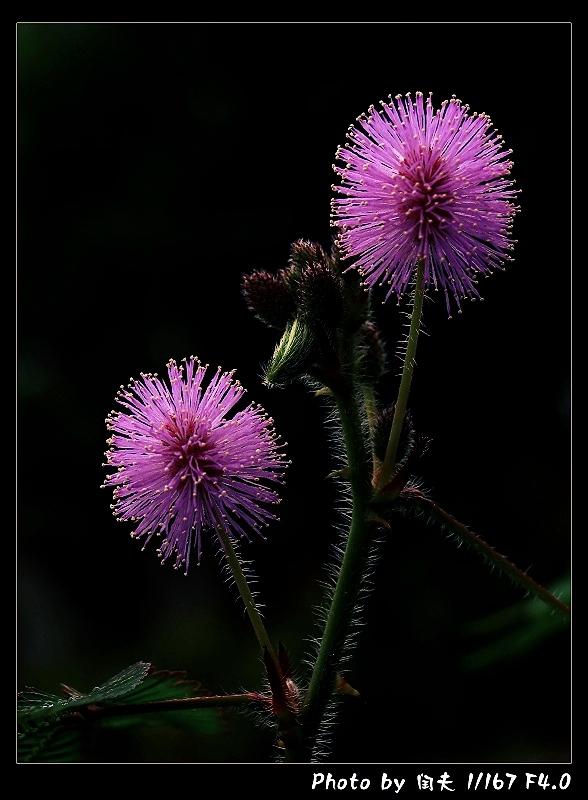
x=179 y=704
x=498 y=560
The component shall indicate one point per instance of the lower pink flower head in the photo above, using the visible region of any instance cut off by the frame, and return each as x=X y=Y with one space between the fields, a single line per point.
x=423 y=184
x=184 y=462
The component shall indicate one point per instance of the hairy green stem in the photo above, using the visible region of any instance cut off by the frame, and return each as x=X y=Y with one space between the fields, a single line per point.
x=387 y=468
x=245 y=593
x=352 y=571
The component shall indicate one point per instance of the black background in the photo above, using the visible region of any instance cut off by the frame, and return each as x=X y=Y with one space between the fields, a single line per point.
x=159 y=162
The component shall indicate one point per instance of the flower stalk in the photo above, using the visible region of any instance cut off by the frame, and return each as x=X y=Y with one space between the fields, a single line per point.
x=246 y=595
x=389 y=463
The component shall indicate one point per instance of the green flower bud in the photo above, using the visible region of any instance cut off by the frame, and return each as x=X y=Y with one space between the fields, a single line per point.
x=292 y=355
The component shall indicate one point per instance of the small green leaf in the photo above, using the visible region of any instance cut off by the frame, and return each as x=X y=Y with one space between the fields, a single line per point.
x=34 y=705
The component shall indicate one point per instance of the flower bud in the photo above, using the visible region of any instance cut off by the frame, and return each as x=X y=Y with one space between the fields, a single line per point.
x=319 y=296
x=270 y=297
x=303 y=253
x=356 y=298
x=292 y=355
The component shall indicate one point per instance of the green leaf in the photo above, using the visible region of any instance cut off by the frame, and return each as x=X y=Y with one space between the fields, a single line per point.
x=34 y=705
x=166 y=685
x=52 y=728
x=56 y=740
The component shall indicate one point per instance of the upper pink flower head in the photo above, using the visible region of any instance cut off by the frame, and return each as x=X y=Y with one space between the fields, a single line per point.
x=423 y=184
x=184 y=463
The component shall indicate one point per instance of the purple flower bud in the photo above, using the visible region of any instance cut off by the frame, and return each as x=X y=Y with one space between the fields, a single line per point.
x=270 y=297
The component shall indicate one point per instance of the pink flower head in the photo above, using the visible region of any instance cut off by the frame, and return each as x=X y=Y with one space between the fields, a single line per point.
x=423 y=184
x=183 y=464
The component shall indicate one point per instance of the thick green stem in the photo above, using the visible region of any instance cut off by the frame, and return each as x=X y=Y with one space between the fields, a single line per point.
x=352 y=571
x=245 y=593
x=387 y=468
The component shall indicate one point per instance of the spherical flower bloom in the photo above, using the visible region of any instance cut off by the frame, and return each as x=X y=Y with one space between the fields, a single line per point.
x=423 y=184
x=183 y=463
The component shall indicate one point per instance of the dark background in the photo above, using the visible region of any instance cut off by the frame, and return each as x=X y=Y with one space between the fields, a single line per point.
x=159 y=162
